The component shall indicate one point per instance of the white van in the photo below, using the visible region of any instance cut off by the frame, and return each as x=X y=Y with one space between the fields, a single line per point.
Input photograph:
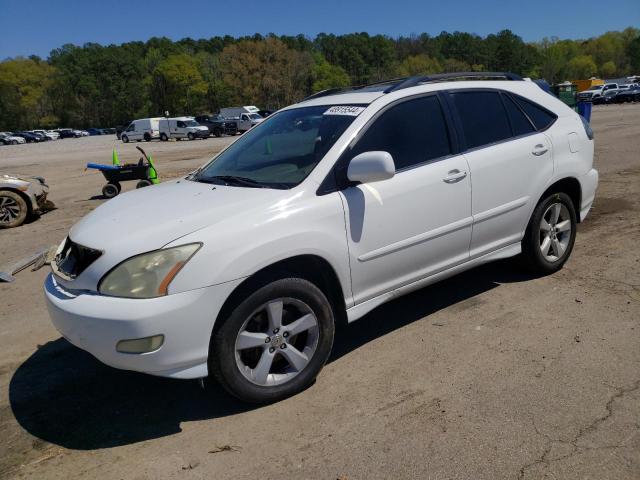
x=143 y=129
x=244 y=117
x=181 y=127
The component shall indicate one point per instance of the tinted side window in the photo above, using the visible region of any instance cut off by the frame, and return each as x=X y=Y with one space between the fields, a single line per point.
x=519 y=122
x=412 y=132
x=540 y=117
x=484 y=119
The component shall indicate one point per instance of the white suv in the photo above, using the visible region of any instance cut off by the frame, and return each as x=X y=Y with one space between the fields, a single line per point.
x=324 y=211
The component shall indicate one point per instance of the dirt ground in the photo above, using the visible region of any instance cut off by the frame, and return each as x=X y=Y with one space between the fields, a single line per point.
x=489 y=375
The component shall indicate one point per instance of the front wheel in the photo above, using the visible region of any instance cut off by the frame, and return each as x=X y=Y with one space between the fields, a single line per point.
x=190 y=136
x=124 y=139
x=550 y=235
x=110 y=190
x=143 y=183
x=274 y=343
x=13 y=209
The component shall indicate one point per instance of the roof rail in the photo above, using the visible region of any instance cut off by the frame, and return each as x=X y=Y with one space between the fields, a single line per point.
x=443 y=77
x=331 y=91
x=406 y=82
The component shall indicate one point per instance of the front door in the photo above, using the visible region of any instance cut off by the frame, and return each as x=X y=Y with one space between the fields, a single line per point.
x=418 y=222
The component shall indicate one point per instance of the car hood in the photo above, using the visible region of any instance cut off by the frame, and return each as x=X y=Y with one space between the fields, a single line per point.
x=149 y=218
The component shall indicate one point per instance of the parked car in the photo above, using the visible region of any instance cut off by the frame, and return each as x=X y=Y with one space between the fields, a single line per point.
x=119 y=129
x=244 y=117
x=68 y=133
x=143 y=129
x=83 y=133
x=94 y=131
x=607 y=97
x=181 y=127
x=7 y=138
x=47 y=135
x=20 y=197
x=596 y=91
x=631 y=94
x=329 y=209
x=217 y=125
x=108 y=131
x=31 y=137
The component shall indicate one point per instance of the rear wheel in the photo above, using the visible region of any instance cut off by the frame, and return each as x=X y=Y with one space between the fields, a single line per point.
x=13 y=209
x=550 y=235
x=125 y=139
x=143 y=183
x=147 y=137
x=110 y=190
x=163 y=137
x=274 y=343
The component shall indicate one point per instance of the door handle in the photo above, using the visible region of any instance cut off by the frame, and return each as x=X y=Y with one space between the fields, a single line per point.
x=454 y=176
x=539 y=149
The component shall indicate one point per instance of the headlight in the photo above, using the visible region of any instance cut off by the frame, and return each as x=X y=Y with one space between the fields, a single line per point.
x=147 y=275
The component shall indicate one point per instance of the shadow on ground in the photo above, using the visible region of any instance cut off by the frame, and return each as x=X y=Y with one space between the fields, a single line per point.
x=65 y=396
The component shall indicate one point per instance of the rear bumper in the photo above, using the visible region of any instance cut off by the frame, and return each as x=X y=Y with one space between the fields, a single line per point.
x=589 y=185
x=96 y=323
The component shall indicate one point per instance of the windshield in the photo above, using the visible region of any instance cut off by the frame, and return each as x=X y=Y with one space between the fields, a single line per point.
x=596 y=88
x=191 y=123
x=255 y=116
x=281 y=151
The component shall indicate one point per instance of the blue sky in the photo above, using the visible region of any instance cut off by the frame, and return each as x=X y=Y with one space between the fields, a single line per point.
x=36 y=27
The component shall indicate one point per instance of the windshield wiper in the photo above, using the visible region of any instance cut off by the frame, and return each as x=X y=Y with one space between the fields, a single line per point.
x=232 y=180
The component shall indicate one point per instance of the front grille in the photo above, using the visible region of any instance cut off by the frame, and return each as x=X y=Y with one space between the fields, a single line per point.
x=74 y=259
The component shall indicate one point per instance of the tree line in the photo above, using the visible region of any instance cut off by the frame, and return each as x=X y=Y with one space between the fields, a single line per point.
x=102 y=86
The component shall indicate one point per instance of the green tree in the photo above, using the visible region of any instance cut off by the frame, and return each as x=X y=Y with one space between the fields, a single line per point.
x=178 y=86
x=24 y=92
x=581 y=66
x=418 y=65
x=324 y=75
x=608 y=69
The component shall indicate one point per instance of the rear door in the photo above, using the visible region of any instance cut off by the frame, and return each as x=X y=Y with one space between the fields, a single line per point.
x=418 y=222
x=509 y=159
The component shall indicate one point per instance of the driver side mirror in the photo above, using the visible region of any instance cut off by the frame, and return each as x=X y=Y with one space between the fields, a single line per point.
x=371 y=167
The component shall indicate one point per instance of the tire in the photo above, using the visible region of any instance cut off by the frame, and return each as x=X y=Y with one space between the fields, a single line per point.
x=14 y=142
x=238 y=370
x=118 y=186
x=556 y=209
x=190 y=136
x=164 y=137
x=217 y=132
x=147 y=137
x=124 y=139
x=143 y=183
x=13 y=209
x=110 y=190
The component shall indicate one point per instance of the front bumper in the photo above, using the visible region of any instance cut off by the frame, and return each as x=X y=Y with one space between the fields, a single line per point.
x=96 y=323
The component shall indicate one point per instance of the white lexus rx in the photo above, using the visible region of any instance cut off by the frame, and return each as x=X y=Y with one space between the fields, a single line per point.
x=324 y=211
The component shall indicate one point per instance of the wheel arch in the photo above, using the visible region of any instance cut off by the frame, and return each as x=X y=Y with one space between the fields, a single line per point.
x=569 y=185
x=310 y=267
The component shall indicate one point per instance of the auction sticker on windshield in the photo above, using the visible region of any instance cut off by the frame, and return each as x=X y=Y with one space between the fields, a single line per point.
x=344 y=110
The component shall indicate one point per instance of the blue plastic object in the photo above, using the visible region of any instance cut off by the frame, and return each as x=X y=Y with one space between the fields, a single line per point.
x=584 y=109
x=99 y=166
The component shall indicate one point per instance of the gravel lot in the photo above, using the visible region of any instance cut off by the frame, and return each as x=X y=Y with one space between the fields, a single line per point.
x=489 y=375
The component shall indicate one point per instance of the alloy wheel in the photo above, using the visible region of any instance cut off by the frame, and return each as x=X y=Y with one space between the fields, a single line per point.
x=276 y=342
x=9 y=210
x=555 y=232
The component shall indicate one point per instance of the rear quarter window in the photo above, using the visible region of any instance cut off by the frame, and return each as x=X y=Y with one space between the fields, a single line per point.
x=539 y=116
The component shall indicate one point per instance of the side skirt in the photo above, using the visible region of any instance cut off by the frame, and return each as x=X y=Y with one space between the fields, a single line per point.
x=358 y=311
